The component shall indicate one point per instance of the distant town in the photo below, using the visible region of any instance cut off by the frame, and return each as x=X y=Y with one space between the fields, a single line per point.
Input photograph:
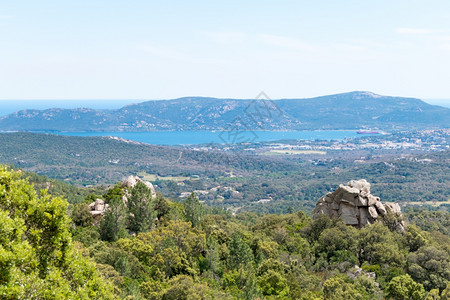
x=366 y=147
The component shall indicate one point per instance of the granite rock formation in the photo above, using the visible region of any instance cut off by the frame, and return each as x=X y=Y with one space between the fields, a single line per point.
x=357 y=206
x=131 y=181
x=98 y=209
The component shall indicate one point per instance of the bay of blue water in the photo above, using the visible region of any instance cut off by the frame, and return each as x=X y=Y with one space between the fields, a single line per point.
x=225 y=137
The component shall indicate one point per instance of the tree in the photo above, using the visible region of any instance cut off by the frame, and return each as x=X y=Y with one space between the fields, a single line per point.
x=273 y=283
x=193 y=210
x=378 y=246
x=112 y=226
x=212 y=255
x=240 y=252
x=86 y=235
x=338 y=244
x=183 y=287
x=115 y=192
x=405 y=288
x=433 y=295
x=37 y=257
x=313 y=230
x=446 y=292
x=241 y=283
x=336 y=288
x=414 y=238
x=173 y=249
x=162 y=207
x=430 y=266
x=303 y=285
x=140 y=207
x=81 y=215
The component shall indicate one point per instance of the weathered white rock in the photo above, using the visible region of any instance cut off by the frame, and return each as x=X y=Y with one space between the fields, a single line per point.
x=373 y=212
x=356 y=271
x=362 y=185
x=97 y=209
x=349 y=194
x=380 y=208
x=393 y=207
x=131 y=181
x=98 y=205
x=372 y=200
x=334 y=213
x=346 y=209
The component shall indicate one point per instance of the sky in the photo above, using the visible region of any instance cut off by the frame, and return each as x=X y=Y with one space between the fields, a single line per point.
x=143 y=49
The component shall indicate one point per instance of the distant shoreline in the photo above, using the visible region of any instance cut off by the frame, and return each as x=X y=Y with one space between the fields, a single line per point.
x=199 y=137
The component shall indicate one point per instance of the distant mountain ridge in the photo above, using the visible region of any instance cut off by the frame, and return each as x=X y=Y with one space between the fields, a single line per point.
x=352 y=110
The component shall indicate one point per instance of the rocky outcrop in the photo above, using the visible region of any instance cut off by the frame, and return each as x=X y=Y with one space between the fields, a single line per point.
x=98 y=209
x=356 y=272
x=131 y=181
x=357 y=206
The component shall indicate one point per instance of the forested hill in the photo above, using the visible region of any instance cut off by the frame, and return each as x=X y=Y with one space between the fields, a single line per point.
x=342 y=111
x=105 y=160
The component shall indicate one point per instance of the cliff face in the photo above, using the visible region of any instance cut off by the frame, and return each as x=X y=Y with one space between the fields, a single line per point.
x=357 y=206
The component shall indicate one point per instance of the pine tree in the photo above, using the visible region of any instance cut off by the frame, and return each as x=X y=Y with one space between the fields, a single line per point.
x=140 y=207
x=112 y=225
x=240 y=252
x=193 y=210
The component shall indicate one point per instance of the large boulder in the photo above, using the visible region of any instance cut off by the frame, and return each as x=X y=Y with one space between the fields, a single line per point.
x=130 y=181
x=362 y=185
x=97 y=209
x=356 y=206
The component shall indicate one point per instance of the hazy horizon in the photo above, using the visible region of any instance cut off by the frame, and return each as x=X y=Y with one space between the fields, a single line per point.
x=11 y=106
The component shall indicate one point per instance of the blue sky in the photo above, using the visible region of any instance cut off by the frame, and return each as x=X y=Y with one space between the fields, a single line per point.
x=167 y=49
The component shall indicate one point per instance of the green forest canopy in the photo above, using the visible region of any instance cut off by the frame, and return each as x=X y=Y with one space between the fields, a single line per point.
x=189 y=251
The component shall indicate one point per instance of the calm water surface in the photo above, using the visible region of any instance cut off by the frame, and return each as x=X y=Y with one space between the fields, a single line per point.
x=227 y=137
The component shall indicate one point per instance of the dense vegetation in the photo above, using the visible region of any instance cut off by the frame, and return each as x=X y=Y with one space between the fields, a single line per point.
x=38 y=259
x=153 y=248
